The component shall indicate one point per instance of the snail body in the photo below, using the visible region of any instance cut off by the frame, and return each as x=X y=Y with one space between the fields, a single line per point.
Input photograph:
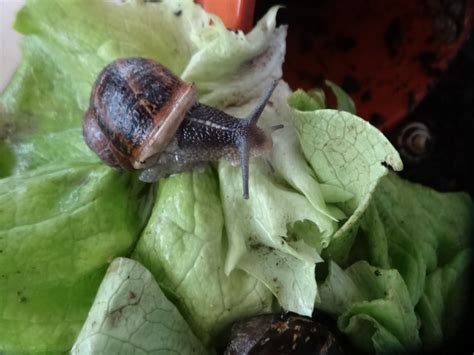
x=143 y=117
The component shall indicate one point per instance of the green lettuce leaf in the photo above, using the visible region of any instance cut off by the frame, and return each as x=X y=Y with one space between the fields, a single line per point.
x=413 y=229
x=344 y=101
x=300 y=189
x=315 y=99
x=257 y=228
x=444 y=299
x=348 y=156
x=374 y=307
x=223 y=61
x=131 y=314
x=184 y=244
x=258 y=241
x=412 y=255
x=42 y=149
x=7 y=159
x=59 y=228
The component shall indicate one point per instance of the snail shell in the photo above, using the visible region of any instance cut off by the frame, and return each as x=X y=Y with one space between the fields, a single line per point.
x=135 y=108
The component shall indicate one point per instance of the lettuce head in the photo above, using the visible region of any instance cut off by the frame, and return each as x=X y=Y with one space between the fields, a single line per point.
x=93 y=260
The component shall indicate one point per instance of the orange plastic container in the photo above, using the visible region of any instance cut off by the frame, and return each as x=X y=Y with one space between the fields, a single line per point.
x=236 y=14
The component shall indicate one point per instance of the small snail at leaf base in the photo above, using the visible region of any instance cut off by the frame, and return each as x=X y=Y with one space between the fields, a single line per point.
x=142 y=116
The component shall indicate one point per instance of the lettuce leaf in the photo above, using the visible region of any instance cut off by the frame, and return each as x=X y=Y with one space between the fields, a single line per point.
x=303 y=188
x=42 y=149
x=444 y=298
x=183 y=245
x=344 y=101
x=257 y=228
x=7 y=160
x=59 y=227
x=412 y=255
x=401 y=210
x=348 y=156
x=131 y=314
x=374 y=307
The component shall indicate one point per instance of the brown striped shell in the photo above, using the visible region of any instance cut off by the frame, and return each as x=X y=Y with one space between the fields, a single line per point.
x=135 y=108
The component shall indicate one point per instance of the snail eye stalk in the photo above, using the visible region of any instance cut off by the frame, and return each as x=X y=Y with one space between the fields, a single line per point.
x=244 y=145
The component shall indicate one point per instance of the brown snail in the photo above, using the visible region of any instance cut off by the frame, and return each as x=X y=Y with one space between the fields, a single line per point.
x=142 y=116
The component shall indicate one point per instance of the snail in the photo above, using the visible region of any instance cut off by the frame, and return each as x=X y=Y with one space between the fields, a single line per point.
x=143 y=117
x=415 y=142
